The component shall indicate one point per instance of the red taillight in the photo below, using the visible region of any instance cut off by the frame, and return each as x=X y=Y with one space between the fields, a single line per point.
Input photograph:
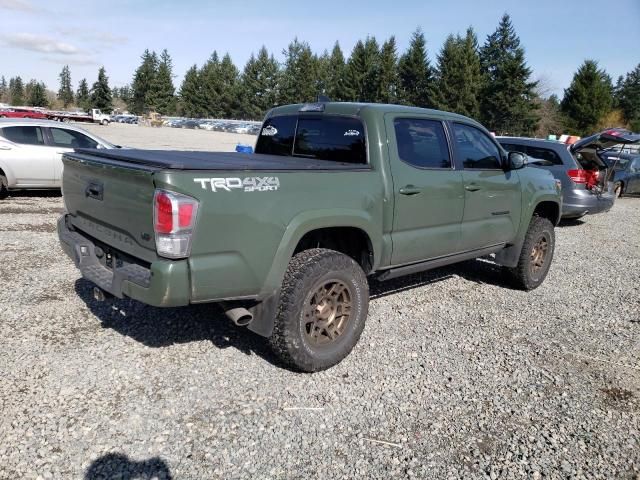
x=588 y=177
x=174 y=221
x=185 y=215
x=164 y=213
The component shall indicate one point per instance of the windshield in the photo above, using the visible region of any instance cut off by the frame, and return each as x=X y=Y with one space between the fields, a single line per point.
x=322 y=137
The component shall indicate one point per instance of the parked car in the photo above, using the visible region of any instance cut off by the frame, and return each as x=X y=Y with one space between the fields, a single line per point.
x=286 y=237
x=626 y=173
x=31 y=152
x=191 y=124
x=586 y=182
x=22 y=113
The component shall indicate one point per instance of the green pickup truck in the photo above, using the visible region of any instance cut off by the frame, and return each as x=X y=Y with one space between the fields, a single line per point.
x=285 y=238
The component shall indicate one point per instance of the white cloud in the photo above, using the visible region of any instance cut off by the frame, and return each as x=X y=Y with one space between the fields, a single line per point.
x=39 y=43
x=106 y=39
x=66 y=60
x=18 y=5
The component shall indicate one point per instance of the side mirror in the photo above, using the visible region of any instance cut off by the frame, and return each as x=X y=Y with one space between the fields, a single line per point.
x=517 y=160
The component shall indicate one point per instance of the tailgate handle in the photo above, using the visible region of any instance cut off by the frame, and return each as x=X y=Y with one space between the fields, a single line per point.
x=94 y=190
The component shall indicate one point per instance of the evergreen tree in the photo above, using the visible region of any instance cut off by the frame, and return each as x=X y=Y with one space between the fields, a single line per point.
x=211 y=86
x=259 y=85
x=4 y=90
x=143 y=83
x=162 y=88
x=16 y=91
x=36 y=93
x=82 y=95
x=508 y=100
x=192 y=102
x=415 y=74
x=588 y=98
x=388 y=80
x=629 y=98
x=101 y=93
x=65 y=92
x=299 y=74
x=336 y=72
x=230 y=88
x=363 y=71
x=458 y=77
x=126 y=95
x=322 y=73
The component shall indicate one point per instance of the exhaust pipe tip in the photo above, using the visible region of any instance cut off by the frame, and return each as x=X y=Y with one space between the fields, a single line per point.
x=240 y=316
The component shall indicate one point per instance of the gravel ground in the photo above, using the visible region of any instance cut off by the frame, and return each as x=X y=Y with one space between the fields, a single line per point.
x=455 y=376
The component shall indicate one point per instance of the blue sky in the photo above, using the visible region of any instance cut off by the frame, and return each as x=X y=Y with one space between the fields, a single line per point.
x=38 y=37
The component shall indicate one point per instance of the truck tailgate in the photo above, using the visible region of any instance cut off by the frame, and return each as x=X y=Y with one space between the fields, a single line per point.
x=110 y=202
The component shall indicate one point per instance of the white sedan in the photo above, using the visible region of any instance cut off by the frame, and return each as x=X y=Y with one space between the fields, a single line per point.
x=31 y=152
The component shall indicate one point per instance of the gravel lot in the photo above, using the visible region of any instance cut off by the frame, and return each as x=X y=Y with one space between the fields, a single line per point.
x=456 y=375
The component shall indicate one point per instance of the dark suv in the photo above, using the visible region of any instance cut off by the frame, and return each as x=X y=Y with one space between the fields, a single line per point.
x=586 y=181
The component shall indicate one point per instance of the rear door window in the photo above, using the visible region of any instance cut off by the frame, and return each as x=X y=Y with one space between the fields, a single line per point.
x=475 y=148
x=71 y=139
x=422 y=143
x=548 y=157
x=324 y=137
x=24 y=135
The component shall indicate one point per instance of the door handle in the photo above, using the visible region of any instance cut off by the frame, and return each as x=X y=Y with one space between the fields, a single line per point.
x=410 y=190
x=472 y=187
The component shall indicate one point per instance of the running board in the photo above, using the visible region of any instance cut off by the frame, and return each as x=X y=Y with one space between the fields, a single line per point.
x=396 y=272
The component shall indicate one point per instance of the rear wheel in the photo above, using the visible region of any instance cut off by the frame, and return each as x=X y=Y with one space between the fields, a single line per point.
x=536 y=255
x=4 y=187
x=618 y=189
x=323 y=308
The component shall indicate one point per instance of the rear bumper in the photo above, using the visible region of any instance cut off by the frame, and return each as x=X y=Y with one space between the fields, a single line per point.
x=577 y=203
x=164 y=283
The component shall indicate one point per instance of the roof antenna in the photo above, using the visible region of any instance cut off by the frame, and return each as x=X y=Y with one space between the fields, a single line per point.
x=323 y=99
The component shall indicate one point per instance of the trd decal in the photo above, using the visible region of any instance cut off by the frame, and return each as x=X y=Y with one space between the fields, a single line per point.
x=248 y=184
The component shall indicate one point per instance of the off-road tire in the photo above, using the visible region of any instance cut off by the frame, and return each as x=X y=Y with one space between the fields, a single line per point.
x=307 y=271
x=4 y=187
x=525 y=275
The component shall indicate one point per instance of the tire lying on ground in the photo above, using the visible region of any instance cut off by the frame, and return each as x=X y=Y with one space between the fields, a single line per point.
x=322 y=311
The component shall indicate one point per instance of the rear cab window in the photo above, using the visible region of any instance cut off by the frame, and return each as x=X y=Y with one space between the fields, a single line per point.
x=24 y=135
x=323 y=137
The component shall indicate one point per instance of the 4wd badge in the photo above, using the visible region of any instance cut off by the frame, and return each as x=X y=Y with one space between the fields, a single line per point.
x=248 y=184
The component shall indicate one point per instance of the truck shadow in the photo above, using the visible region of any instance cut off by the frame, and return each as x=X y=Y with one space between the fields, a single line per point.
x=118 y=465
x=163 y=327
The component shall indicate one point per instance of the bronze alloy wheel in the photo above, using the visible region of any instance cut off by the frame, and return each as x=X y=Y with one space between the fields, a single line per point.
x=539 y=254
x=327 y=312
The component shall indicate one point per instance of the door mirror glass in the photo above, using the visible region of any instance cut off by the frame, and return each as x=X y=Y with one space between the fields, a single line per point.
x=517 y=160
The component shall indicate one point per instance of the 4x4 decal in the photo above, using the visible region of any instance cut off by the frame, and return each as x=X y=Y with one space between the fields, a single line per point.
x=248 y=184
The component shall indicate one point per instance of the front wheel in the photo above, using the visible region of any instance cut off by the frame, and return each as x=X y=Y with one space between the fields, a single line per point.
x=322 y=311
x=536 y=255
x=105 y=123
x=4 y=187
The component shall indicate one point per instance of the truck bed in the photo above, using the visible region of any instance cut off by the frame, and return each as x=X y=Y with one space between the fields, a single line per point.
x=190 y=160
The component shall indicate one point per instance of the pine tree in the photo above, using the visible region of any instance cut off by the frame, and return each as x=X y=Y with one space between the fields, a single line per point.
x=4 y=90
x=126 y=95
x=629 y=98
x=65 y=92
x=82 y=95
x=322 y=73
x=143 y=83
x=336 y=72
x=458 y=77
x=230 y=88
x=211 y=86
x=259 y=85
x=162 y=87
x=36 y=93
x=388 y=80
x=101 y=93
x=299 y=74
x=192 y=103
x=588 y=98
x=363 y=71
x=16 y=91
x=508 y=98
x=415 y=74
